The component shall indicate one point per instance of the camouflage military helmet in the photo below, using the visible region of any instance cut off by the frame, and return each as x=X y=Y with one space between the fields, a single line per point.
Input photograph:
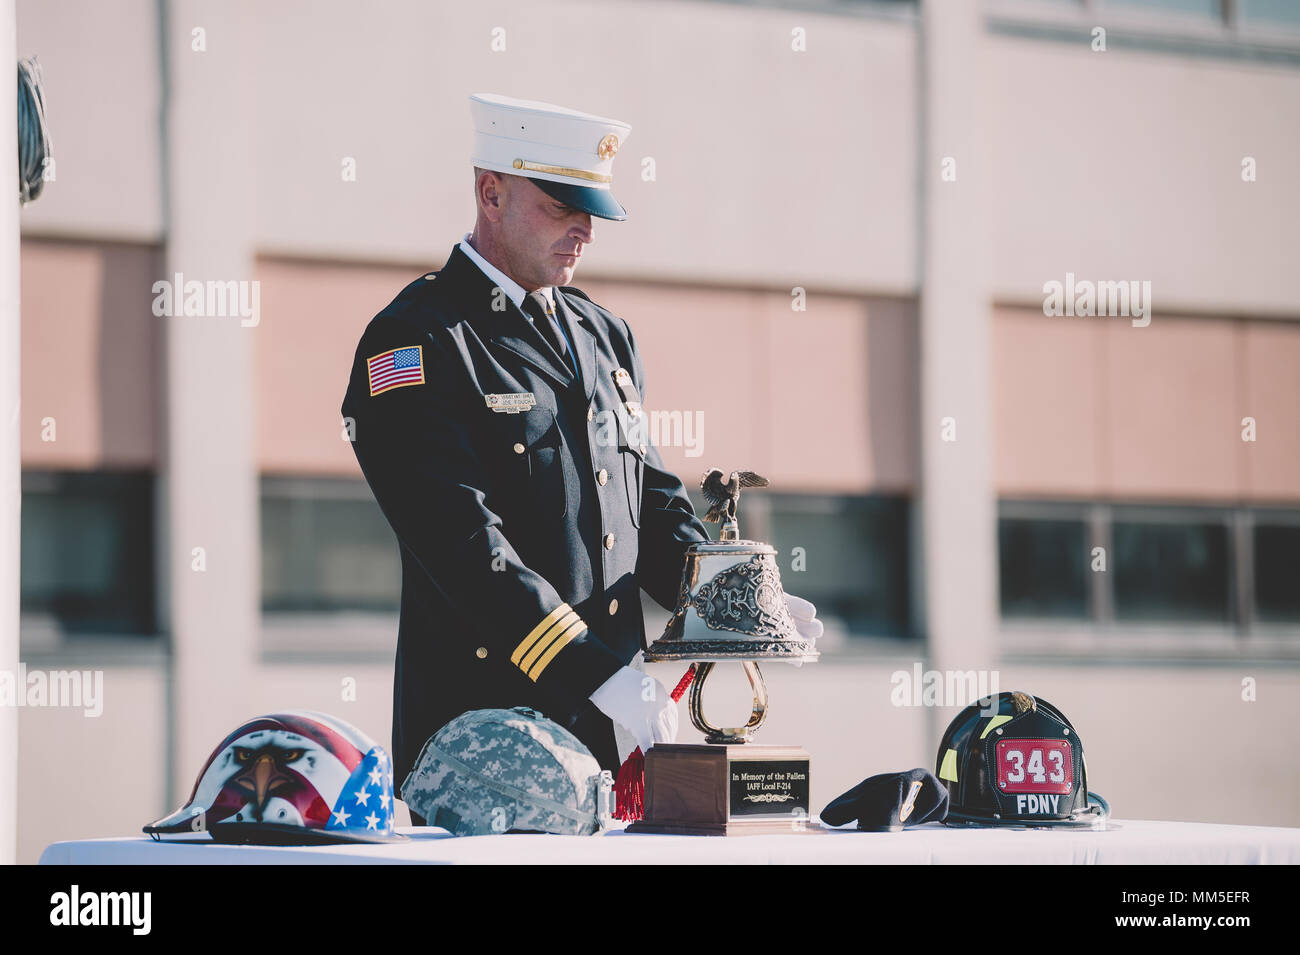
x=493 y=771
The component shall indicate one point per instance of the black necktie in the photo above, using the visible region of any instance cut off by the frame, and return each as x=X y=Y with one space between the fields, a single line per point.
x=539 y=310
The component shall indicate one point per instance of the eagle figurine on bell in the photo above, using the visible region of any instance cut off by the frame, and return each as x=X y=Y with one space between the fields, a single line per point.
x=731 y=608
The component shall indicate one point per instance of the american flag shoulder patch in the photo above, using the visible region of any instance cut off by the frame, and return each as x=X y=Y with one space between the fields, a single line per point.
x=395 y=368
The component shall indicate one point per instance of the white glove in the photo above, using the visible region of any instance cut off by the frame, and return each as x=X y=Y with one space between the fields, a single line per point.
x=805 y=619
x=640 y=704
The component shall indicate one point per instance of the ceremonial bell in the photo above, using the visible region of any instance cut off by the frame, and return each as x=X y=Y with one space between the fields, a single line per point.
x=730 y=608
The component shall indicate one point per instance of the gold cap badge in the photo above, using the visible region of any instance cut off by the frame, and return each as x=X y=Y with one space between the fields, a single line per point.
x=606 y=148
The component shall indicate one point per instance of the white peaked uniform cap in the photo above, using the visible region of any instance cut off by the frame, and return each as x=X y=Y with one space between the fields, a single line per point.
x=568 y=154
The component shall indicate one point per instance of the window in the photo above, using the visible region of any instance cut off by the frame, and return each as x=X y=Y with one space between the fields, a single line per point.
x=1043 y=567
x=1129 y=564
x=1173 y=570
x=1259 y=30
x=1204 y=8
x=326 y=546
x=1276 y=557
x=87 y=562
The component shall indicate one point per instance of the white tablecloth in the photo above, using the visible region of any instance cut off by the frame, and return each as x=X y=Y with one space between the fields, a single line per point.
x=1133 y=842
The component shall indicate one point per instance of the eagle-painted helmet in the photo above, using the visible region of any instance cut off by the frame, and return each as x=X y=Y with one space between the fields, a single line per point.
x=292 y=778
x=1015 y=760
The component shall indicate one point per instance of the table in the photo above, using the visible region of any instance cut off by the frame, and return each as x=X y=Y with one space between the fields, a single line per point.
x=1132 y=842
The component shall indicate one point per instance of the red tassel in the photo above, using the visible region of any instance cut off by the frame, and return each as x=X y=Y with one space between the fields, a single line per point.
x=683 y=683
x=629 y=787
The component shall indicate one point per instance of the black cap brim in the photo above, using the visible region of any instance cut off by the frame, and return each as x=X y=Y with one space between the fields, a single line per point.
x=277 y=834
x=596 y=202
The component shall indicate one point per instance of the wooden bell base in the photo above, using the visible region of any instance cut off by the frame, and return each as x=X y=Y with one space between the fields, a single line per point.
x=738 y=789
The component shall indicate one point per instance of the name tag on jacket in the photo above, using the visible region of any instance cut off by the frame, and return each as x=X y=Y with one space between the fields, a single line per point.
x=511 y=403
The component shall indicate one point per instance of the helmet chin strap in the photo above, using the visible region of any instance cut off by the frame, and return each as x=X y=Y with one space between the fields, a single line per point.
x=1101 y=803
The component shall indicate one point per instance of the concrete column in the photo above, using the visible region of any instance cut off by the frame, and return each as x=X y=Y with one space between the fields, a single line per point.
x=958 y=500
x=10 y=444
x=209 y=487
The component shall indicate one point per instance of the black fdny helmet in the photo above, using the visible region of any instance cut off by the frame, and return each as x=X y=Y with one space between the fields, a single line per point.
x=1014 y=760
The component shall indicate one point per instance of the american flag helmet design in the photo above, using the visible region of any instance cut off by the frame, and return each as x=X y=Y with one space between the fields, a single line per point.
x=292 y=778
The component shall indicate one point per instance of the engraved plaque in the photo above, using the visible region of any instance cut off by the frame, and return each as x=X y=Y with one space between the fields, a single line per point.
x=775 y=787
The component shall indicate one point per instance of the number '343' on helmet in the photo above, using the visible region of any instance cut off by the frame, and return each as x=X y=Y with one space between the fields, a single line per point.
x=1015 y=760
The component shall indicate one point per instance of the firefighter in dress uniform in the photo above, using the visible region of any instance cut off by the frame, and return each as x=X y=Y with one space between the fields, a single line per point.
x=495 y=411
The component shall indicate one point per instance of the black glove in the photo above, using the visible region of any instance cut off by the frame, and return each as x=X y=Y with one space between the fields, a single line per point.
x=890 y=802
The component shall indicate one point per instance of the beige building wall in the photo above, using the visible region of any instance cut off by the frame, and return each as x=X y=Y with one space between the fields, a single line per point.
x=101 y=68
x=1127 y=164
x=89 y=355
x=1098 y=408
x=312 y=317
x=1093 y=156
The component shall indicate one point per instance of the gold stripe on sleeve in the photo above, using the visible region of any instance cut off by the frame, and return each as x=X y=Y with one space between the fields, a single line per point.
x=544 y=641
x=556 y=647
x=537 y=631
